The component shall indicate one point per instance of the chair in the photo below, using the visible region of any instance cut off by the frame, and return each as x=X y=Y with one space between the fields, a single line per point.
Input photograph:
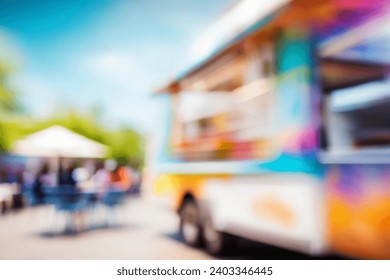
x=67 y=200
x=50 y=195
x=112 y=200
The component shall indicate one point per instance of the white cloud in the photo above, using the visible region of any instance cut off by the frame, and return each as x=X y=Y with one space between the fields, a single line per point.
x=117 y=68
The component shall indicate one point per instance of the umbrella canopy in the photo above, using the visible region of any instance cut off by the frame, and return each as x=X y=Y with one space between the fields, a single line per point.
x=57 y=141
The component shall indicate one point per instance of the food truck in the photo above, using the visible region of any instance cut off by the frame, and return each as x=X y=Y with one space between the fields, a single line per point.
x=279 y=131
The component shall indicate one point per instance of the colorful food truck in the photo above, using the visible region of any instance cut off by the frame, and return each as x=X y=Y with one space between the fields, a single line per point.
x=280 y=130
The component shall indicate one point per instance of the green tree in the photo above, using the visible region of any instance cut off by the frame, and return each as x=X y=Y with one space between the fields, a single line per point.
x=9 y=108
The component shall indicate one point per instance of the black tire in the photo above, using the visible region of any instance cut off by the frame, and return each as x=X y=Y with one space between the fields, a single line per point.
x=217 y=243
x=190 y=223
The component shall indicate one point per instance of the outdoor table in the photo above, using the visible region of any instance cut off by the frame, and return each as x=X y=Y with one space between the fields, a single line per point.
x=69 y=201
x=7 y=191
x=87 y=205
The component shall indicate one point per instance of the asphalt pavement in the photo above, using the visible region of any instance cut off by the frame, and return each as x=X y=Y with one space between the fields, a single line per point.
x=142 y=231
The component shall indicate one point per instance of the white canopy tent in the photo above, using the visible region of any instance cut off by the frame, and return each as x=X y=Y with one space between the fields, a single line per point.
x=57 y=141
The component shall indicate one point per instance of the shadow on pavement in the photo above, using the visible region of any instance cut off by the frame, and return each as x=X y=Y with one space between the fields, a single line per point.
x=174 y=236
x=251 y=250
x=73 y=233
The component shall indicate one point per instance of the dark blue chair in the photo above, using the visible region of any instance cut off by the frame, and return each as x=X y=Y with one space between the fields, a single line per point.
x=30 y=197
x=67 y=200
x=113 y=199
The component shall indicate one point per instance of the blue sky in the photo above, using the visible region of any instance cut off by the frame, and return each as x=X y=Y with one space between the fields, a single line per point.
x=108 y=53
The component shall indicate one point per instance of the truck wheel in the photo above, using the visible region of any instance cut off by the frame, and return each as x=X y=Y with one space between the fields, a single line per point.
x=217 y=243
x=190 y=228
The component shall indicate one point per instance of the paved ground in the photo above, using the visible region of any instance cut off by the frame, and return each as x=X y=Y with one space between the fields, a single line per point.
x=149 y=233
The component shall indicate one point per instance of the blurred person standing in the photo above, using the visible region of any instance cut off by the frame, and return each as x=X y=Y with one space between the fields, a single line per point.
x=83 y=179
x=101 y=178
x=18 y=199
x=66 y=174
x=42 y=178
x=119 y=176
x=136 y=181
x=28 y=177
